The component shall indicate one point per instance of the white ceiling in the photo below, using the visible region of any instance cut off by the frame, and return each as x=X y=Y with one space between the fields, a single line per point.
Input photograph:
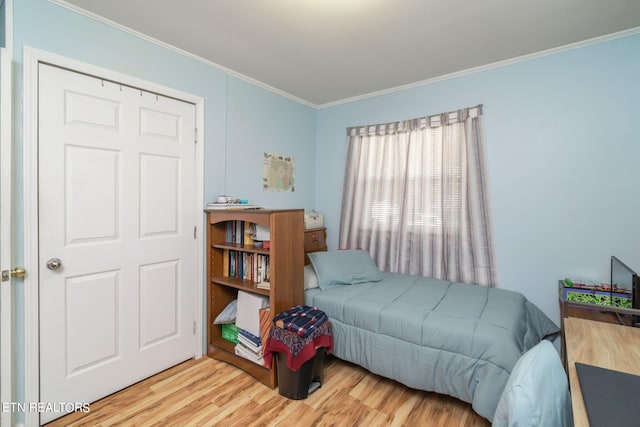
x=325 y=51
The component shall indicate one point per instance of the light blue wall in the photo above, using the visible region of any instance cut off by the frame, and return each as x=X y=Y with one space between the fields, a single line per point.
x=260 y=121
x=562 y=143
x=237 y=114
x=3 y=25
x=563 y=151
x=241 y=120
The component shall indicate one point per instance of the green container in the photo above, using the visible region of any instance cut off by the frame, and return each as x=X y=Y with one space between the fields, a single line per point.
x=598 y=297
x=230 y=332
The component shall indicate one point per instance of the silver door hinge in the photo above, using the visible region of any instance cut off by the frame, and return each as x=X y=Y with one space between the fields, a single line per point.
x=196 y=137
x=195 y=232
x=194 y=327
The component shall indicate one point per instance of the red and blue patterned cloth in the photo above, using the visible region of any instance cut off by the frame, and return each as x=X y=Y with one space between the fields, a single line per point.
x=298 y=348
x=301 y=319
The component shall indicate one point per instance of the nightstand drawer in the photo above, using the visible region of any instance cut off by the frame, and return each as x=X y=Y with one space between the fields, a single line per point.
x=315 y=240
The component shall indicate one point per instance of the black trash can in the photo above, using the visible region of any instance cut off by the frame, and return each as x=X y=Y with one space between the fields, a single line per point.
x=297 y=385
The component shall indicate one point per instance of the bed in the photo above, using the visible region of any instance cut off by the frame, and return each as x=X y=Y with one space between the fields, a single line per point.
x=451 y=338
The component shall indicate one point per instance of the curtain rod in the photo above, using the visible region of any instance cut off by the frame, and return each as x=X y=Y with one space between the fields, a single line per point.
x=103 y=80
x=434 y=120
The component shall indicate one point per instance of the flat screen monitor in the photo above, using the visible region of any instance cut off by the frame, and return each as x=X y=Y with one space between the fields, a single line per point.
x=625 y=286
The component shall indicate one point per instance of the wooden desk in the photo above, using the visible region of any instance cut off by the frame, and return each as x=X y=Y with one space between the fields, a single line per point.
x=600 y=344
x=601 y=313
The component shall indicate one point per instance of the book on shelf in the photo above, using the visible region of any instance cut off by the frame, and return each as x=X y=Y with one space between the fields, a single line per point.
x=234 y=232
x=245 y=353
x=247 y=316
x=249 y=232
x=262 y=273
x=257 y=351
x=254 y=340
x=225 y=263
x=250 y=344
x=230 y=332
x=264 y=316
x=263 y=285
x=247 y=266
x=242 y=232
x=232 y=263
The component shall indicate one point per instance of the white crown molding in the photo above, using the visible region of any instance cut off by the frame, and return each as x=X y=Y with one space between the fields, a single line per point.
x=515 y=60
x=180 y=51
x=518 y=59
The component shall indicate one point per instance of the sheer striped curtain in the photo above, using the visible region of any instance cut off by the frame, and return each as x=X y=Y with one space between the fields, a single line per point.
x=415 y=196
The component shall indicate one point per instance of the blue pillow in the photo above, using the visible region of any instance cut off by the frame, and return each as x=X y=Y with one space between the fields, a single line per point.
x=537 y=391
x=348 y=267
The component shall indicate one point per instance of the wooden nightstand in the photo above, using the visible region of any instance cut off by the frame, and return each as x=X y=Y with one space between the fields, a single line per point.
x=315 y=240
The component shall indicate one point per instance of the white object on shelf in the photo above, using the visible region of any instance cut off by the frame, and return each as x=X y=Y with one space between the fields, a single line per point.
x=248 y=316
x=262 y=233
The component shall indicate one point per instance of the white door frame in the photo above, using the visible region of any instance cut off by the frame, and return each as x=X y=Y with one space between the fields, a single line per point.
x=6 y=235
x=7 y=367
x=32 y=58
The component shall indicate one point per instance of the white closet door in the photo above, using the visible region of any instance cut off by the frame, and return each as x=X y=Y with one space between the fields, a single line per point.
x=116 y=200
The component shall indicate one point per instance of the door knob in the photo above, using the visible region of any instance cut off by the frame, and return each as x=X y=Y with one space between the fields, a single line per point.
x=54 y=263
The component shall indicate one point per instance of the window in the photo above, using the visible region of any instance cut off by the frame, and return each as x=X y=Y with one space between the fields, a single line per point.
x=415 y=197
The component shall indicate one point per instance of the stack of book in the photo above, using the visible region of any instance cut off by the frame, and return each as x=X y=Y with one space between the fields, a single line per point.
x=249 y=346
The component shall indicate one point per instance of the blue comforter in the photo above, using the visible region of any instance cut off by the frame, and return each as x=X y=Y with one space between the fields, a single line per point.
x=451 y=338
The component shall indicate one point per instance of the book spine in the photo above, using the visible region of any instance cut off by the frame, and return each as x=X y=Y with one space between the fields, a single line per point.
x=264 y=314
x=232 y=263
x=248 y=230
x=254 y=339
x=250 y=347
x=242 y=352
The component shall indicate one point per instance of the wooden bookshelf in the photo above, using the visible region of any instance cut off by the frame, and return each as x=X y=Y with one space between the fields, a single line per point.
x=286 y=260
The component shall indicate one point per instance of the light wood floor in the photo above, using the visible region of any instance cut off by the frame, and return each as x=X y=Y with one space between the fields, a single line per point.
x=207 y=392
